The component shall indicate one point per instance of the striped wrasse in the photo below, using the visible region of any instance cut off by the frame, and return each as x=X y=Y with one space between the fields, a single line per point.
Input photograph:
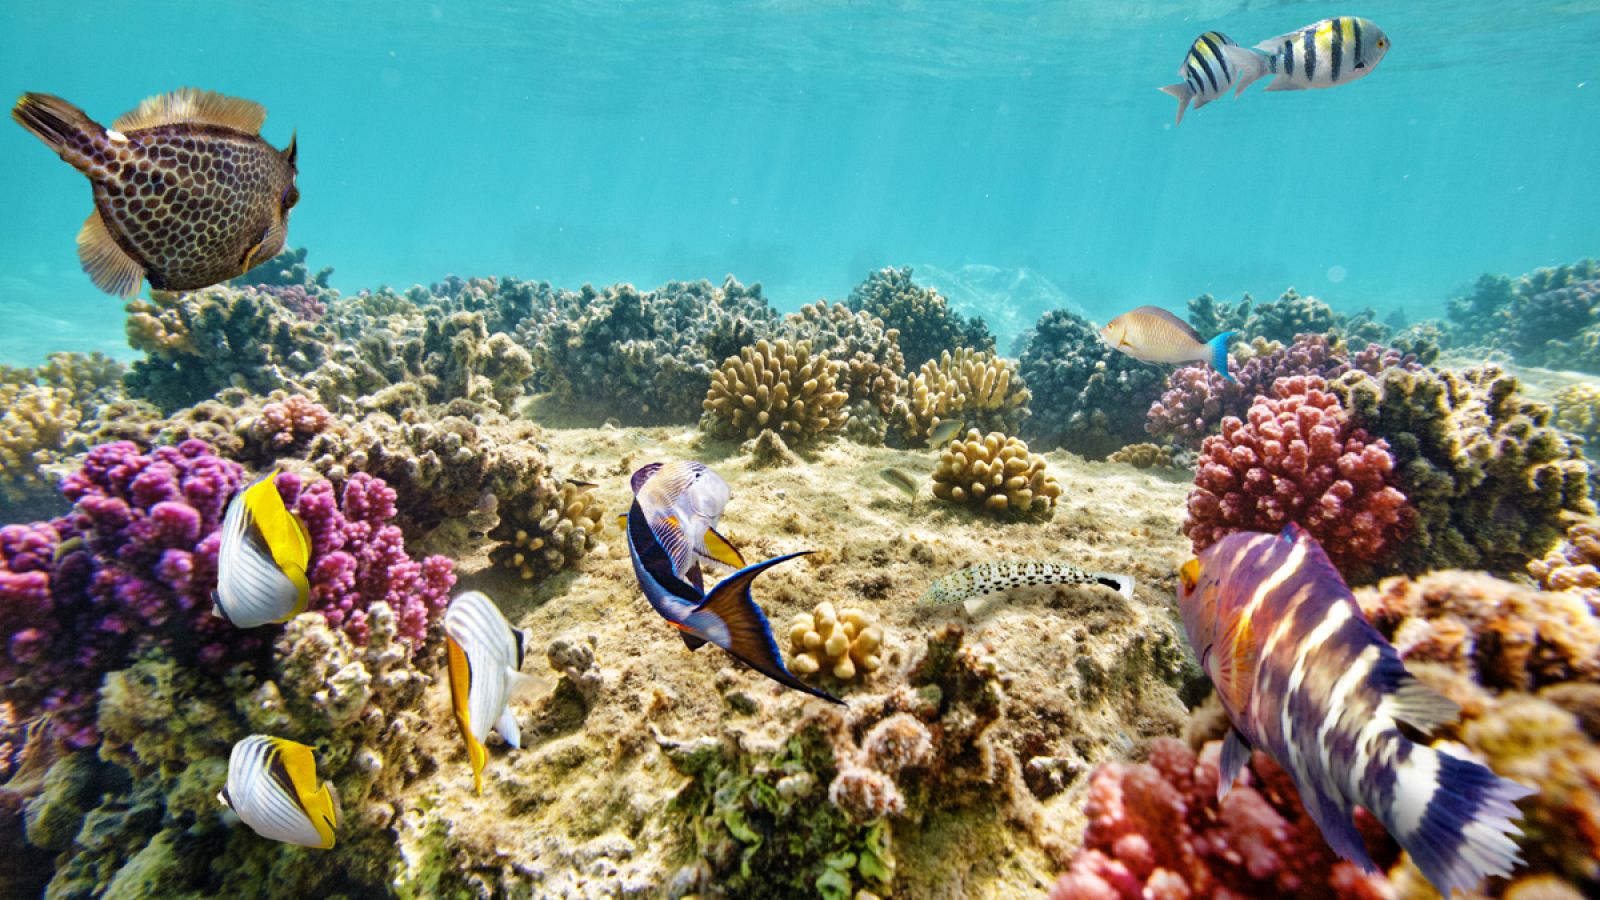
x=1206 y=72
x=994 y=577
x=1333 y=51
x=1308 y=681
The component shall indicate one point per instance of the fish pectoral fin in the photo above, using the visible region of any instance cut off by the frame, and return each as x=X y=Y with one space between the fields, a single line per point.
x=194 y=106
x=266 y=248
x=722 y=550
x=1420 y=706
x=1235 y=753
x=109 y=266
x=522 y=686
x=693 y=642
x=507 y=726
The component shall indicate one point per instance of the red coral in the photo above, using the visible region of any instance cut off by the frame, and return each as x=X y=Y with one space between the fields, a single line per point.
x=1298 y=459
x=1156 y=830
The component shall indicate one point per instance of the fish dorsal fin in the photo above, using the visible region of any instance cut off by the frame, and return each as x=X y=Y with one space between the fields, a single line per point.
x=722 y=550
x=195 y=107
x=109 y=266
x=1159 y=313
x=642 y=475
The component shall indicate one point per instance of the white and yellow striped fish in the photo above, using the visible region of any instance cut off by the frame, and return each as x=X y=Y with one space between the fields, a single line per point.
x=485 y=660
x=1308 y=681
x=1206 y=72
x=272 y=786
x=262 y=560
x=1326 y=53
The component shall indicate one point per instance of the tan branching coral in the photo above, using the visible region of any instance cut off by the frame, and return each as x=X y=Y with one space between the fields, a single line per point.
x=845 y=643
x=977 y=388
x=873 y=364
x=997 y=474
x=779 y=386
x=549 y=534
x=1575 y=564
x=1144 y=456
x=35 y=423
x=1578 y=411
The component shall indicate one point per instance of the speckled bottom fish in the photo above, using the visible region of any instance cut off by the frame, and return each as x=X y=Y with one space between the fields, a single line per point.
x=989 y=578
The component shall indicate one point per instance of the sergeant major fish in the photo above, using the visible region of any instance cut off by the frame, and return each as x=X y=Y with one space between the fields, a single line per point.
x=484 y=658
x=1323 y=54
x=262 y=559
x=1307 y=680
x=186 y=192
x=1206 y=72
x=1151 y=334
x=272 y=786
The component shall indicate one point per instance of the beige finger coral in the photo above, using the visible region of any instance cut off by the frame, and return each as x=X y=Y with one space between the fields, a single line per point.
x=997 y=474
x=555 y=530
x=844 y=643
x=776 y=385
x=970 y=386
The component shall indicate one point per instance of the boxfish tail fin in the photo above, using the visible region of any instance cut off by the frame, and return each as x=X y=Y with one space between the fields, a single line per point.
x=1454 y=816
x=1247 y=63
x=730 y=610
x=1218 y=358
x=54 y=121
x=1184 y=95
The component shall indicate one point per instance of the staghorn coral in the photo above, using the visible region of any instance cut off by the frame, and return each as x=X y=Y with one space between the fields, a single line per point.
x=844 y=643
x=548 y=530
x=1299 y=459
x=1578 y=412
x=1144 y=456
x=1488 y=475
x=970 y=387
x=1097 y=396
x=1156 y=829
x=778 y=386
x=922 y=317
x=996 y=474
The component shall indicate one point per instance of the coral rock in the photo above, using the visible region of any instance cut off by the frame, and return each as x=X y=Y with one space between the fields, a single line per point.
x=922 y=317
x=1097 y=395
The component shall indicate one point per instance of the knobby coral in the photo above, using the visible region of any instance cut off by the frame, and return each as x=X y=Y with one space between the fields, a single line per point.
x=843 y=642
x=926 y=324
x=1097 y=396
x=996 y=474
x=548 y=529
x=778 y=386
x=970 y=387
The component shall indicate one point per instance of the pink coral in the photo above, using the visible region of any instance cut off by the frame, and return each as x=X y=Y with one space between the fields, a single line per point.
x=1157 y=830
x=1575 y=565
x=1298 y=459
x=290 y=422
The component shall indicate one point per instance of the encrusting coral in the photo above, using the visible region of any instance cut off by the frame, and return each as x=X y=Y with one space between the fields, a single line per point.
x=975 y=388
x=1144 y=456
x=843 y=643
x=1097 y=396
x=996 y=474
x=780 y=387
x=548 y=529
x=922 y=317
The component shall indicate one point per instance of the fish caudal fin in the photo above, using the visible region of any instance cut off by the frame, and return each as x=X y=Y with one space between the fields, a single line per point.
x=1184 y=95
x=1218 y=358
x=1248 y=65
x=1454 y=816
x=1122 y=584
x=53 y=120
x=730 y=618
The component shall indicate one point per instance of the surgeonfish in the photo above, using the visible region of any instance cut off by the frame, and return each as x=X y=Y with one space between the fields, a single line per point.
x=262 y=560
x=993 y=577
x=1323 y=54
x=186 y=192
x=683 y=501
x=1151 y=334
x=1206 y=73
x=727 y=616
x=272 y=786
x=1306 y=679
x=484 y=655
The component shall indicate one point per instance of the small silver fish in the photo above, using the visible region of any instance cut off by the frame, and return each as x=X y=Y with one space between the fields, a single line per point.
x=943 y=432
x=993 y=577
x=900 y=480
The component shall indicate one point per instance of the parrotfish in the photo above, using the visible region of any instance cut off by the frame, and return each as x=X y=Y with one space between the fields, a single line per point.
x=993 y=577
x=262 y=560
x=186 y=192
x=727 y=616
x=683 y=502
x=1320 y=55
x=272 y=786
x=1151 y=334
x=1206 y=72
x=484 y=655
x=1305 y=678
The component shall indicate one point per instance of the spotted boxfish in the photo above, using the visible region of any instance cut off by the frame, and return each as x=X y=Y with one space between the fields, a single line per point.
x=1327 y=53
x=1151 y=334
x=993 y=577
x=1206 y=72
x=272 y=786
x=186 y=193
x=1308 y=681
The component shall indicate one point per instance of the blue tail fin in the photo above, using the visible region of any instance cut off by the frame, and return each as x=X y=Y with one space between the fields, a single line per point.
x=1219 y=354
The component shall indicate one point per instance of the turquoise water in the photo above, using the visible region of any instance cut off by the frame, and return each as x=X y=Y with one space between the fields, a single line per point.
x=801 y=144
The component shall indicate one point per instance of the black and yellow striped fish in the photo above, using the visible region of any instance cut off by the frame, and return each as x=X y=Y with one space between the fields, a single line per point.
x=262 y=560
x=1206 y=72
x=484 y=661
x=1308 y=681
x=272 y=786
x=1326 y=53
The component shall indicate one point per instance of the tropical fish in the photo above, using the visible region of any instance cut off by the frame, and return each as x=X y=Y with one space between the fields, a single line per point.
x=1323 y=54
x=1307 y=680
x=993 y=577
x=262 y=560
x=727 y=616
x=683 y=501
x=484 y=656
x=1206 y=73
x=1151 y=334
x=186 y=192
x=272 y=786
x=944 y=431
x=900 y=480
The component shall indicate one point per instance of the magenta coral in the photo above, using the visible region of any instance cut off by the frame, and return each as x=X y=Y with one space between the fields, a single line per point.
x=1298 y=459
x=290 y=422
x=1156 y=830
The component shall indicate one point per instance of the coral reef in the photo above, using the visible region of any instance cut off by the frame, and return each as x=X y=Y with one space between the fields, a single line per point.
x=1144 y=456
x=922 y=317
x=1547 y=327
x=1156 y=829
x=1288 y=317
x=1486 y=317
x=970 y=387
x=873 y=366
x=287 y=423
x=1574 y=565
x=1210 y=316
x=778 y=386
x=1299 y=459
x=996 y=474
x=36 y=425
x=1578 y=412
x=1098 y=396
x=548 y=529
x=1489 y=476
x=844 y=643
